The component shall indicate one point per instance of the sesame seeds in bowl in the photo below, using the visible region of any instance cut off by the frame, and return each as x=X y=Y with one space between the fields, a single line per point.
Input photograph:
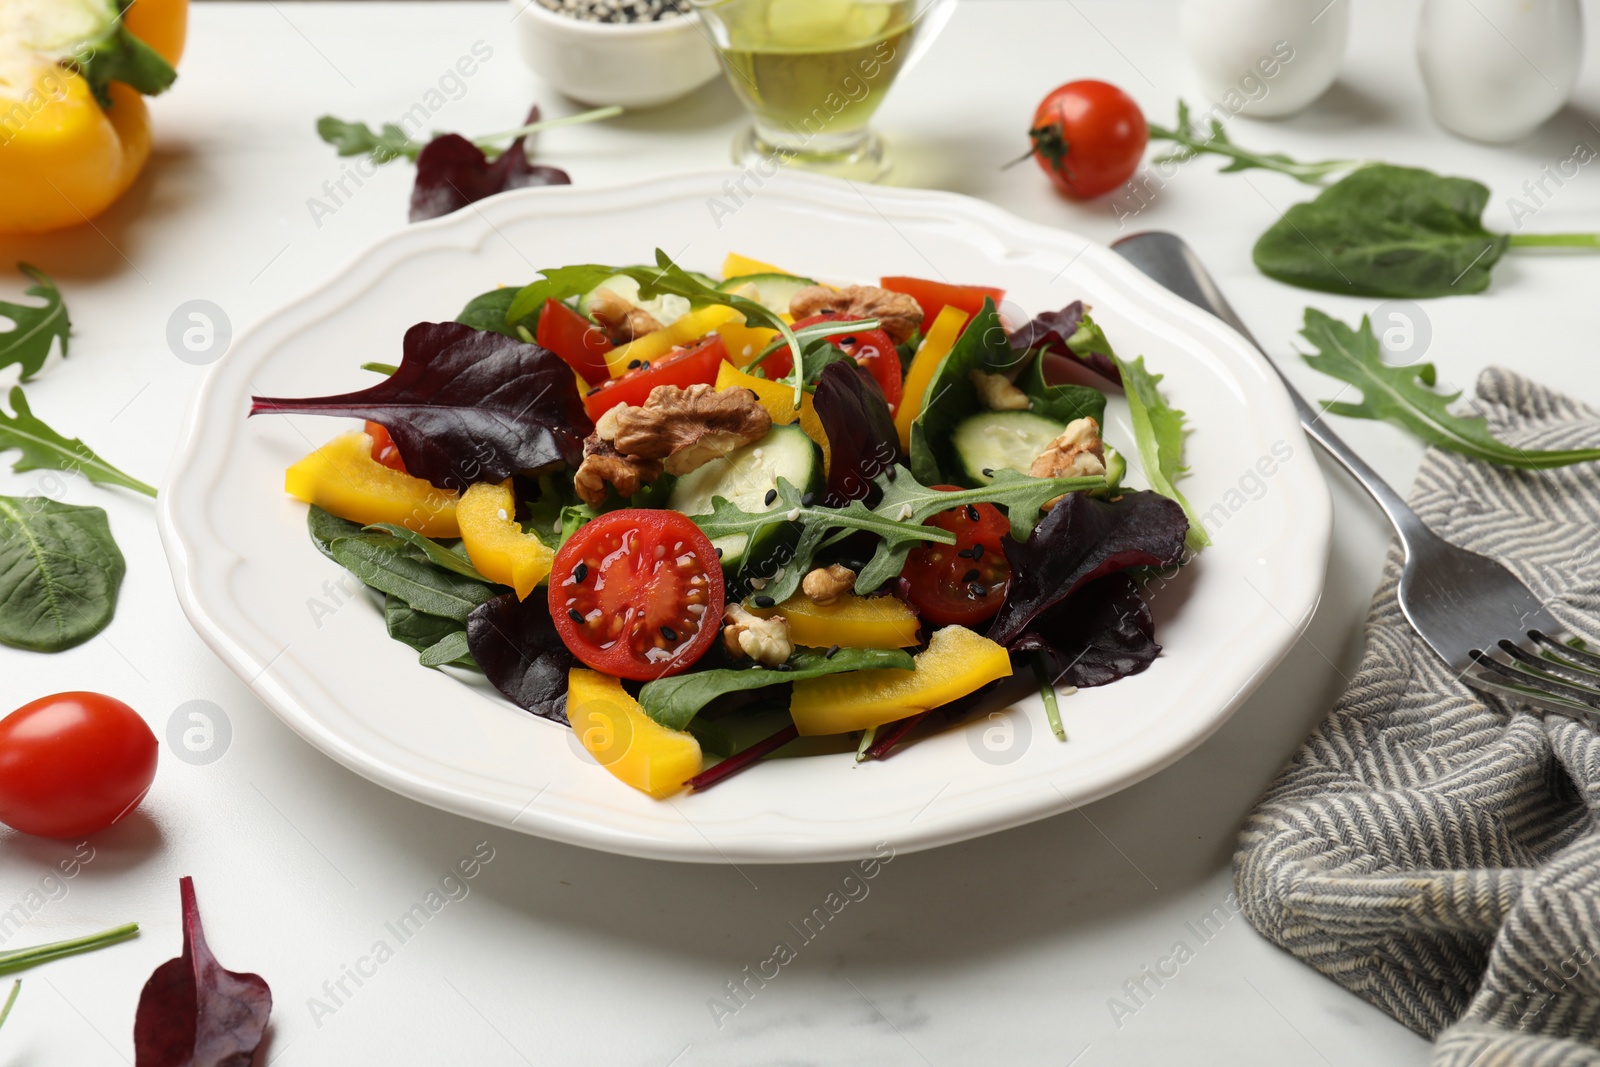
x=636 y=53
x=618 y=10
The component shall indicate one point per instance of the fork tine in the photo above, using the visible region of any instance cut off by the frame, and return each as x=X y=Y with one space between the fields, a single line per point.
x=1576 y=656
x=1548 y=664
x=1555 y=705
x=1570 y=694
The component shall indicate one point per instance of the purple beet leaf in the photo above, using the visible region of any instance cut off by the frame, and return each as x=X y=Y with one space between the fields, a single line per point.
x=452 y=172
x=1081 y=539
x=192 y=1013
x=466 y=406
x=862 y=441
x=520 y=651
x=1058 y=332
x=1101 y=633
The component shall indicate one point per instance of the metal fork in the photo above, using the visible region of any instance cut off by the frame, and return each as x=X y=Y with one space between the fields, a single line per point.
x=1489 y=627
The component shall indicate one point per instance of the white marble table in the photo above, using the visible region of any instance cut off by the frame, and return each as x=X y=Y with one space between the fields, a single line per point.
x=1008 y=949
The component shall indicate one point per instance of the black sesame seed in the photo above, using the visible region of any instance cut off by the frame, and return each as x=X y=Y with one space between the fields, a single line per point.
x=755 y=395
x=593 y=391
x=988 y=472
x=782 y=667
x=977 y=553
x=890 y=475
x=719 y=553
x=764 y=601
x=832 y=651
x=575 y=616
x=580 y=572
x=669 y=633
x=972 y=512
x=772 y=494
x=980 y=591
x=809 y=499
x=645 y=365
x=633 y=364
x=970 y=576
x=847 y=341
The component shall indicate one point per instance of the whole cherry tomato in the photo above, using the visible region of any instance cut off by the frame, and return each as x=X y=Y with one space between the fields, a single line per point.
x=73 y=763
x=1088 y=136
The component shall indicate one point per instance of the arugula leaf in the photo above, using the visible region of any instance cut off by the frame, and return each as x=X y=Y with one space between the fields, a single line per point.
x=951 y=396
x=357 y=138
x=1214 y=139
x=34 y=328
x=674 y=702
x=386 y=564
x=44 y=449
x=1386 y=231
x=432 y=551
x=60 y=569
x=1400 y=395
x=816 y=521
x=1159 y=430
x=666 y=277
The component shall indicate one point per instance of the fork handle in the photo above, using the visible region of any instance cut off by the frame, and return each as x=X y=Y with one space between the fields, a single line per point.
x=1168 y=260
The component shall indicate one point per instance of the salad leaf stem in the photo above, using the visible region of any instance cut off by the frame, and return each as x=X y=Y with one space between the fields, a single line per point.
x=807 y=334
x=867 y=737
x=5 y=1012
x=595 y=115
x=1213 y=139
x=380 y=368
x=23 y=958
x=741 y=760
x=1047 y=690
x=1555 y=240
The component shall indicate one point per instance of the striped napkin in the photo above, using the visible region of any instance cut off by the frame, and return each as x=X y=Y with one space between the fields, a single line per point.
x=1434 y=851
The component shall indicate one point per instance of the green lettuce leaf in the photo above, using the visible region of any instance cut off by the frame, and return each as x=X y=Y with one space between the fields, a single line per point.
x=1159 y=430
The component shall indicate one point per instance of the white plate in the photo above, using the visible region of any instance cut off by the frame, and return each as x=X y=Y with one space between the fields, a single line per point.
x=295 y=627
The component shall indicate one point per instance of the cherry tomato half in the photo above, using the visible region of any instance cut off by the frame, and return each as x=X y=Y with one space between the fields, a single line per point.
x=637 y=593
x=691 y=365
x=934 y=297
x=871 y=349
x=72 y=764
x=384 y=450
x=962 y=583
x=1088 y=136
x=580 y=343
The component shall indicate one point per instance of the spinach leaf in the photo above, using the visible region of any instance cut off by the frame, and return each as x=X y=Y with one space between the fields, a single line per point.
x=1159 y=430
x=387 y=565
x=488 y=311
x=1400 y=395
x=517 y=646
x=451 y=649
x=951 y=396
x=1063 y=403
x=60 y=570
x=1386 y=231
x=34 y=328
x=674 y=702
x=325 y=528
x=44 y=449
x=432 y=551
x=415 y=628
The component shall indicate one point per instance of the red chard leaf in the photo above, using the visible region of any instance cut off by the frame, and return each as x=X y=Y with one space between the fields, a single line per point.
x=517 y=646
x=192 y=1013
x=452 y=172
x=466 y=406
x=1101 y=633
x=1081 y=539
x=862 y=440
x=1071 y=333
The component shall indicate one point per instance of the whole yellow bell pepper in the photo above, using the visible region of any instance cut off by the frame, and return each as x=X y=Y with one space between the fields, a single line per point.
x=635 y=748
x=495 y=542
x=849 y=622
x=342 y=478
x=64 y=155
x=955 y=663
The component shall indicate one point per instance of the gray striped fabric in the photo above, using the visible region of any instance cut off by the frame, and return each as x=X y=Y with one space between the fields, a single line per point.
x=1434 y=853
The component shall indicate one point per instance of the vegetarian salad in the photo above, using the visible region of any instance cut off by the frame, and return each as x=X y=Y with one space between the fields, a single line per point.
x=692 y=517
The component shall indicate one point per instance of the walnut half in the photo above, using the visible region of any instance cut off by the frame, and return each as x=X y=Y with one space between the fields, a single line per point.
x=619 y=318
x=1077 y=453
x=824 y=585
x=676 y=430
x=764 y=640
x=898 y=315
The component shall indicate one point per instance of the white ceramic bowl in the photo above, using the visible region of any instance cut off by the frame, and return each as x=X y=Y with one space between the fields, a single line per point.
x=640 y=64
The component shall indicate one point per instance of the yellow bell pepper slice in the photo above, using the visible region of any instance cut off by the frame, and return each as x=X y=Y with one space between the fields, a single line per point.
x=935 y=346
x=341 y=477
x=776 y=397
x=495 y=542
x=811 y=423
x=849 y=622
x=652 y=346
x=744 y=343
x=624 y=740
x=737 y=266
x=956 y=662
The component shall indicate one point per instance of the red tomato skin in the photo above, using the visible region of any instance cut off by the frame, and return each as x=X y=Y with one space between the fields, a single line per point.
x=924 y=575
x=934 y=297
x=1089 y=137
x=619 y=660
x=871 y=349
x=580 y=343
x=695 y=364
x=73 y=764
x=384 y=450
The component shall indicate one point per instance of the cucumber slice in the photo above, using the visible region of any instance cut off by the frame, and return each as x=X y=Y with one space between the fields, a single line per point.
x=1116 y=468
x=992 y=440
x=744 y=477
x=773 y=291
x=665 y=309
